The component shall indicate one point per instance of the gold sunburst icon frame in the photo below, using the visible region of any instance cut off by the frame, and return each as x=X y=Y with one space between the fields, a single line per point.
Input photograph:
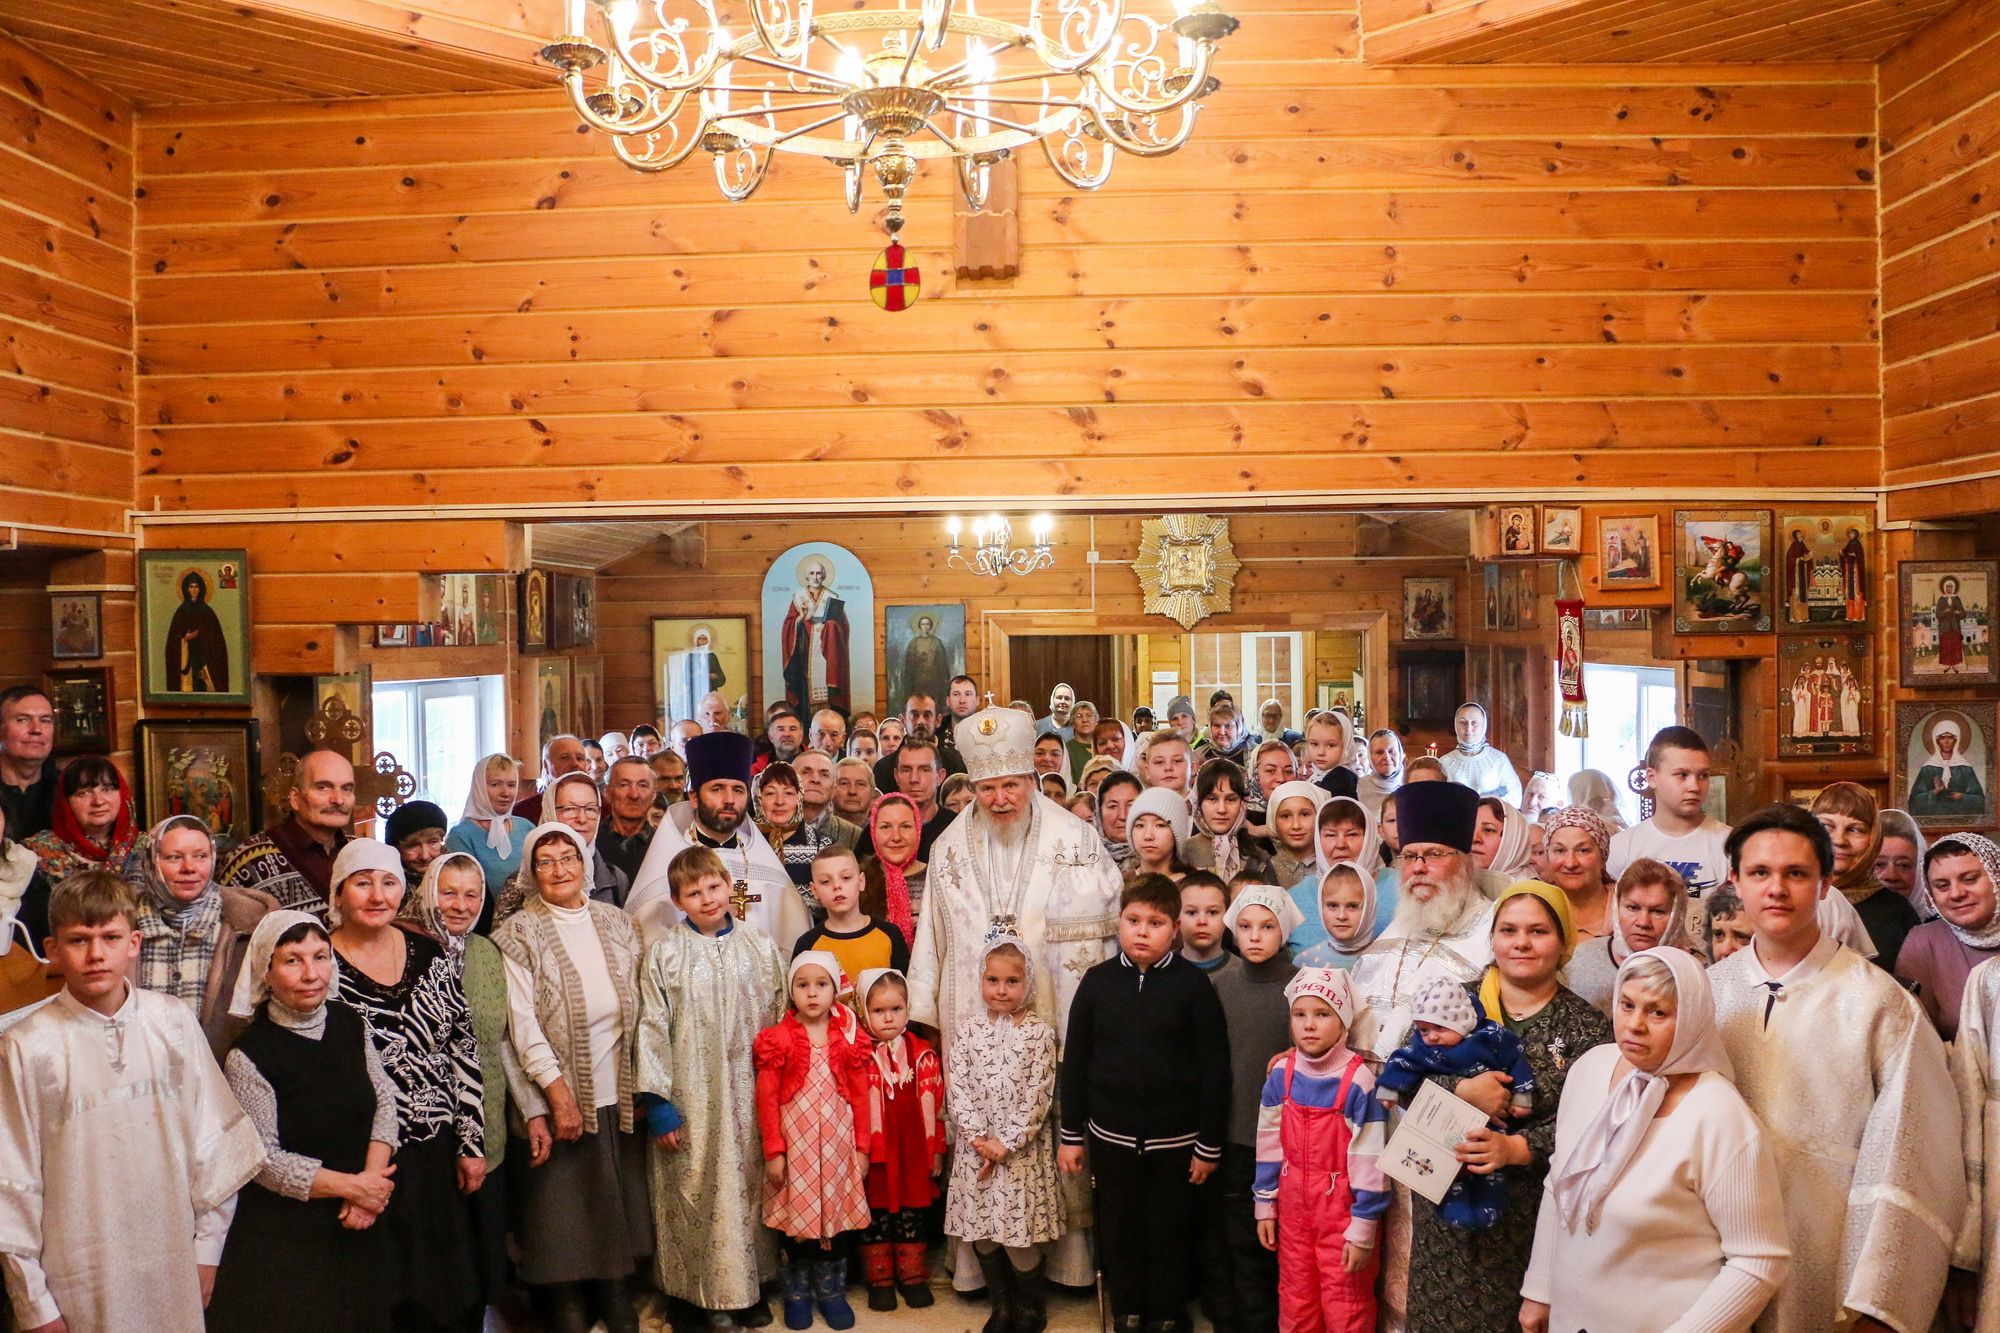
x=1187 y=566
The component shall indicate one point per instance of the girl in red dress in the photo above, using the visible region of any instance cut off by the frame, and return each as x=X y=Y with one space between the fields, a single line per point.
x=812 y=1113
x=905 y=1143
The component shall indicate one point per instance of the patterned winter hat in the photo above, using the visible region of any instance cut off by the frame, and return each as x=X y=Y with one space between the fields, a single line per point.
x=1444 y=1002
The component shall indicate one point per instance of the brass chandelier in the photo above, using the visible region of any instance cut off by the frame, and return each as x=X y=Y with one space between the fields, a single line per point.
x=877 y=90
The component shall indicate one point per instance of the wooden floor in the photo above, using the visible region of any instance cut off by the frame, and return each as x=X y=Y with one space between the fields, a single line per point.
x=1069 y=1314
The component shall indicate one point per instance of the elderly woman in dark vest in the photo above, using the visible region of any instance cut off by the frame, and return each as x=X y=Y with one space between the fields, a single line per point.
x=573 y=1003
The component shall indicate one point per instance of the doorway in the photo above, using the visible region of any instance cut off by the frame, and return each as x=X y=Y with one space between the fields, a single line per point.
x=1037 y=663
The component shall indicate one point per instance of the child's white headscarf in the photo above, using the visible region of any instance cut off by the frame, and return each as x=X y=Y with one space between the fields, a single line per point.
x=478 y=805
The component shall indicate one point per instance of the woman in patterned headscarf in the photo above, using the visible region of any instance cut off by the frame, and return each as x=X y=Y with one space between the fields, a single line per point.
x=1579 y=841
x=193 y=932
x=1961 y=872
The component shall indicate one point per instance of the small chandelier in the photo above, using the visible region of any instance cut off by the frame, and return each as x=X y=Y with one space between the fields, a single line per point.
x=877 y=90
x=993 y=551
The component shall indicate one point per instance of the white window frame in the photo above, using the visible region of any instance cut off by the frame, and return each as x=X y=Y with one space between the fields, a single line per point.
x=489 y=696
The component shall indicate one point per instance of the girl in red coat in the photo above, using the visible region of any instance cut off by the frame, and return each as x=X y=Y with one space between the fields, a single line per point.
x=905 y=1143
x=812 y=1113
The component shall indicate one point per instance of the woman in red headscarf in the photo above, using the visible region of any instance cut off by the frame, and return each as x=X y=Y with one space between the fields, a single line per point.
x=92 y=821
x=894 y=873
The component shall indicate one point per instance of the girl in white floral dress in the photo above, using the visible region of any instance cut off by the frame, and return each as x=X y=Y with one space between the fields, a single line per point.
x=1000 y=1082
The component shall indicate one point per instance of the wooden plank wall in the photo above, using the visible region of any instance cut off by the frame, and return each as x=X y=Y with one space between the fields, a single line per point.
x=66 y=176
x=1298 y=574
x=24 y=617
x=1354 y=279
x=1940 y=130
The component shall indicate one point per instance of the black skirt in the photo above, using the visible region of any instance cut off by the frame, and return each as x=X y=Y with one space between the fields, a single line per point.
x=289 y=1263
x=431 y=1260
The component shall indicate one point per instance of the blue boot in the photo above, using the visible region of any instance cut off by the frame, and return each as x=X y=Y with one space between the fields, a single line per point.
x=830 y=1286
x=799 y=1297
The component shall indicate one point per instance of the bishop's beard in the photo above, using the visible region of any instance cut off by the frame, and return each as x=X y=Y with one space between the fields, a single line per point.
x=1429 y=920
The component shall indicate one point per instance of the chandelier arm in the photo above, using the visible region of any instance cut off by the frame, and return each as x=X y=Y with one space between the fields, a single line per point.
x=768 y=110
x=1143 y=147
x=1080 y=180
x=699 y=73
x=803 y=31
x=822 y=84
x=973 y=182
x=679 y=155
x=580 y=103
x=750 y=179
x=1058 y=58
x=1144 y=107
x=806 y=129
x=853 y=187
x=969 y=114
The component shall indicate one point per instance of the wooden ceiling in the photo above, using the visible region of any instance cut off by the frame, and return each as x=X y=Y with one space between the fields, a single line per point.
x=163 y=52
x=1638 y=31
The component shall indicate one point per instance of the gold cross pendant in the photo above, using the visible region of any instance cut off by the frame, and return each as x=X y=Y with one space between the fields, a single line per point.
x=741 y=898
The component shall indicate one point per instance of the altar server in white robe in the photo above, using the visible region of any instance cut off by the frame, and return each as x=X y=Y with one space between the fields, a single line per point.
x=121 y=1147
x=1850 y=1082
x=718 y=817
x=1974 y=1298
x=1018 y=861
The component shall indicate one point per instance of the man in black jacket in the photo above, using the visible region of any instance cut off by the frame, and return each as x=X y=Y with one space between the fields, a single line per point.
x=1145 y=1090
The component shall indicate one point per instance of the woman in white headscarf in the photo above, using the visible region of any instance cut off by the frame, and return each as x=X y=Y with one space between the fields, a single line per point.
x=490 y=832
x=1592 y=790
x=1383 y=773
x=1500 y=840
x=303 y=1240
x=406 y=988
x=1662 y=1207
x=1899 y=865
x=1344 y=830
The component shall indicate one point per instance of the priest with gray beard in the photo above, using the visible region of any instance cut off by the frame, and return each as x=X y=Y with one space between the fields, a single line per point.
x=1014 y=862
x=1443 y=922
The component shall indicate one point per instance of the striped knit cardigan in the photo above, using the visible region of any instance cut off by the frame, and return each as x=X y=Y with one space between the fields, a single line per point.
x=529 y=939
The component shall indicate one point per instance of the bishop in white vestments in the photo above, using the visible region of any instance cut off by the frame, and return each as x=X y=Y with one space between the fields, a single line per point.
x=1014 y=862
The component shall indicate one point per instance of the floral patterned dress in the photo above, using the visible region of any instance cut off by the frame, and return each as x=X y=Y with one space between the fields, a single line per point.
x=1470 y=1281
x=1001 y=1076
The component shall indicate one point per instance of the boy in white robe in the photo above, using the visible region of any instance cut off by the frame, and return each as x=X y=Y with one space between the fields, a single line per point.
x=1849 y=1079
x=708 y=985
x=121 y=1147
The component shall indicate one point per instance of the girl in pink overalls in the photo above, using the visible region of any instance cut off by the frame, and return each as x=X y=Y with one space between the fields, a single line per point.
x=1320 y=1191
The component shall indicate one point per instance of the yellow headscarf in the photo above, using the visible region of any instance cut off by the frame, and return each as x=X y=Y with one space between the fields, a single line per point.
x=1558 y=904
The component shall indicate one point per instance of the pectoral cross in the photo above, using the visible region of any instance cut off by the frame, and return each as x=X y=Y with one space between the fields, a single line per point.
x=740 y=899
x=989 y=698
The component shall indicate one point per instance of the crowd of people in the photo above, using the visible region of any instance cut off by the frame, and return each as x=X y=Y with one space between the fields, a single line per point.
x=722 y=1019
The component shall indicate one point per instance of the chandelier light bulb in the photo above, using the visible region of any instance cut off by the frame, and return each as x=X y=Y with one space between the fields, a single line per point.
x=624 y=16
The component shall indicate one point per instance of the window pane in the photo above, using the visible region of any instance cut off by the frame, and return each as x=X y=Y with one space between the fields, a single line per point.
x=392 y=724
x=451 y=743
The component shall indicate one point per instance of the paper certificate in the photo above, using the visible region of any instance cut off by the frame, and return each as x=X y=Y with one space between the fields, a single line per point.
x=1419 y=1153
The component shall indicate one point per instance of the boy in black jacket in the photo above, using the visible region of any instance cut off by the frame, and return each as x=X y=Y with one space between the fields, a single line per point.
x=1145 y=1087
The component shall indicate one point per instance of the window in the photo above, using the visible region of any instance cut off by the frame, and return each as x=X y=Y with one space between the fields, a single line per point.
x=1253 y=668
x=1627 y=705
x=439 y=729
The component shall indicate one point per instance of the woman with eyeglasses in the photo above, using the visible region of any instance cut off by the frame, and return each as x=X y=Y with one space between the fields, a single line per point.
x=584 y=1221
x=193 y=932
x=91 y=822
